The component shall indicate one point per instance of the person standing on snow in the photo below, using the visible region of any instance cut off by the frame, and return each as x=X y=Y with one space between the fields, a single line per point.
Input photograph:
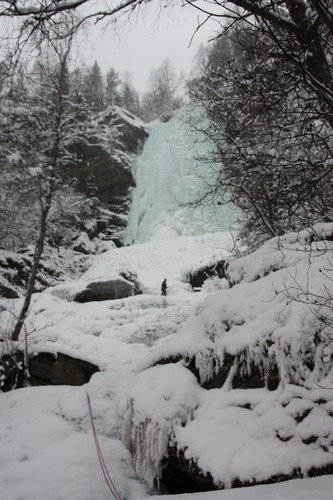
x=164 y=287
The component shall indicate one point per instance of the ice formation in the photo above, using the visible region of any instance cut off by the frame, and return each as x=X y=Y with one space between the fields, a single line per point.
x=168 y=177
x=173 y=394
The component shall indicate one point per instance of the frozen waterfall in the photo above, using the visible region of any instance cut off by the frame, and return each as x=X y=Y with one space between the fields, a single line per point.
x=168 y=176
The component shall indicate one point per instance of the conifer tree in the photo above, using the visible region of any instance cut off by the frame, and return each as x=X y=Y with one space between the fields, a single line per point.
x=129 y=96
x=94 y=88
x=112 y=96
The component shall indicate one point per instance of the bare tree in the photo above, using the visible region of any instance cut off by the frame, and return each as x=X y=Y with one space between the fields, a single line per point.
x=302 y=33
x=163 y=96
x=62 y=51
x=271 y=148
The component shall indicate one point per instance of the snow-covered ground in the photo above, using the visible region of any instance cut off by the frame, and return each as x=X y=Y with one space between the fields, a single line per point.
x=47 y=448
x=46 y=442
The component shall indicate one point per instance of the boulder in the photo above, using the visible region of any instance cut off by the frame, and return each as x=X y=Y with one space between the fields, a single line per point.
x=60 y=369
x=44 y=368
x=180 y=475
x=198 y=277
x=106 y=290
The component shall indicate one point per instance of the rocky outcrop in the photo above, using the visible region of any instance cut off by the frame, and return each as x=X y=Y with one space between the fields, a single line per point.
x=15 y=271
x=106 y=290
x=103 y=171
x=181 y=475
x=184 y=476
x=254 y=377
x=97 y=170
x=8 y=292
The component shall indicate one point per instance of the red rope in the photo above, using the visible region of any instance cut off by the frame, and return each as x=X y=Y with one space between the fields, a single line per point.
x=105 y=471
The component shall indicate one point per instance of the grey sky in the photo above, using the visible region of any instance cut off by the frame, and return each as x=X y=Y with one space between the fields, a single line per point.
x=147 y=40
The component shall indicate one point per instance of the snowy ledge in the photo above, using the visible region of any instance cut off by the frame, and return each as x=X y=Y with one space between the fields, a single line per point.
x=264 y=348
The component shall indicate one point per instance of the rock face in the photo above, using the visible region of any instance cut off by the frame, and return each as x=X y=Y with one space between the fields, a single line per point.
x=103 y=171
x=106 y=290
x=15 y=271
x=96 y=168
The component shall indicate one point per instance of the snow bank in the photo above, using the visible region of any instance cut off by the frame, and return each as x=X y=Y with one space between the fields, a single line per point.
x=283 y=252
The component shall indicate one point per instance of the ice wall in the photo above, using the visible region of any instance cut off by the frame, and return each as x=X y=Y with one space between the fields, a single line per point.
x=166 y=175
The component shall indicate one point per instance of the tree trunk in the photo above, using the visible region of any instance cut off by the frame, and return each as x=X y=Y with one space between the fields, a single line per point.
x=33 y=275
x=45 y=208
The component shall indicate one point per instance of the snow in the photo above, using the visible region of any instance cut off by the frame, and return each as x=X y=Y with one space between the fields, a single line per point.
x=35 y=171
x=241 y=424
x=47 y=453
x=46 y=435
x=267 y=319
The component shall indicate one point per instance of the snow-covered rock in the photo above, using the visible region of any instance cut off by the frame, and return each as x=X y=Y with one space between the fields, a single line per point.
x=44 y=368
x=106 y=290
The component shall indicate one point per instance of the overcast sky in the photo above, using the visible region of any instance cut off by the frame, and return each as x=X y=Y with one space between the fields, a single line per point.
x=146 y=41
